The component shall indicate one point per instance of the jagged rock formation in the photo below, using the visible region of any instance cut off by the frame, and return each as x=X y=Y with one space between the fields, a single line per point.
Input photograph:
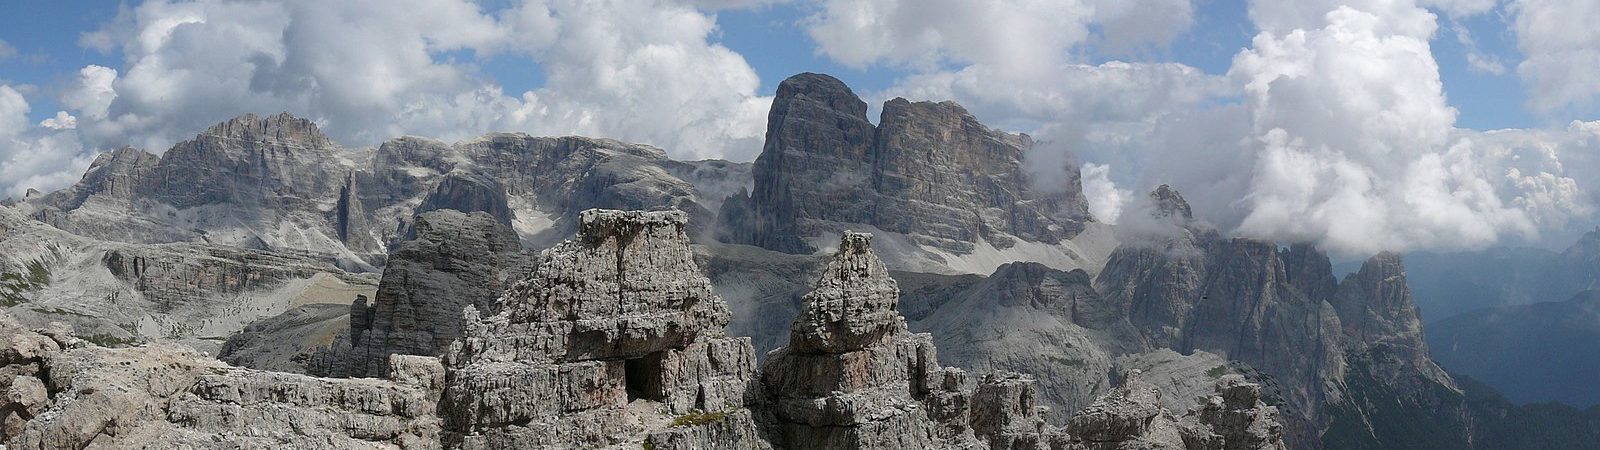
x=853 y=376
x=1188 y=288
x=611 y=336
x=615 y=340
x=455 y=260
x=1395 y=395
x=1132 y=417
x=929 y=171
x=1346 y=357
x=233 y=184
x=1376 y=314
x=1037 y=320
x=277 y=183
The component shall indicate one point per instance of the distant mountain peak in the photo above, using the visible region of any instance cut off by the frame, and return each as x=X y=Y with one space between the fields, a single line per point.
x=283 y=127
x=1169 y=203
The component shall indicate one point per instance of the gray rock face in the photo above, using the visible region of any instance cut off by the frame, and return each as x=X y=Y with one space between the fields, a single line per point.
x=1032 y=319
x=196 y=294
x=240 y=183
x=277 y=183
x=289 y=342
x=1131 y=417
x=1282 y=312
x=614 y=340
x=854 y=377
x=467 y=192
x=853 y=304
x=613 y=334
x=1375 y=309
x=83 y=396
x=455 y=260
x=1234 y=418
x=929 y=170
x=1188 y=288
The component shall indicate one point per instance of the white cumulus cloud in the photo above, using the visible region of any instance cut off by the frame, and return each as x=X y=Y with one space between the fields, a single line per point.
x=367 y=71
x=1561 y=45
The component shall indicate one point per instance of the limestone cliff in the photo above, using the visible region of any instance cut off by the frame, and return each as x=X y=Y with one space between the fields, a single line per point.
x=929 y=171
x=614 y=340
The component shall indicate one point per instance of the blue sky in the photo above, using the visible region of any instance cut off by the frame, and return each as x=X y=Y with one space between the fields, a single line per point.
x=1363 y=125
x=772 y=38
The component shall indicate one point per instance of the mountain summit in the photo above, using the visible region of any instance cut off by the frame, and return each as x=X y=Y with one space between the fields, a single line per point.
x=929 y=171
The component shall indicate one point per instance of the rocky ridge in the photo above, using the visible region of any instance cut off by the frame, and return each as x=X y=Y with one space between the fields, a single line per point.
x=278 y=184
x=929 y=171
x=614 y=340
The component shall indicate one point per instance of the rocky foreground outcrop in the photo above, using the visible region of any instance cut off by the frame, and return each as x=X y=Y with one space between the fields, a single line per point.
x=614 y=340
x=453 y=260
x=63 y=392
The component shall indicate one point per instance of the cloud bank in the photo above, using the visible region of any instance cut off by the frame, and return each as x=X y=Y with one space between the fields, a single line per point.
x=1331 y=127
x=367 y=71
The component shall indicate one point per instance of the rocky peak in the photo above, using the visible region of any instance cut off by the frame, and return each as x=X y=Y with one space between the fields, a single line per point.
x=613 y=330
x=852 y=376
x=453 y=261
x=853 y=305
x=820 y=91
x=1375 y=308
x=930 y=171
x=628 y=280
x=1310 y=270
x=284 y=128
x=1169 y=203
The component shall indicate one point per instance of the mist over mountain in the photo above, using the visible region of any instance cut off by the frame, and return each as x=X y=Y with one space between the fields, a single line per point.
x=1450 y=284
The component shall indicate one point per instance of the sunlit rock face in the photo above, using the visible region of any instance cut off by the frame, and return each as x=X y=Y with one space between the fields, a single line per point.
x=853 y=376
x=613 y=334
x=930 y=171
x=278 y=183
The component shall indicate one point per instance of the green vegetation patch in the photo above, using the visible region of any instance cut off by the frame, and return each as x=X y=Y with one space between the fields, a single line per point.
x=15 y=286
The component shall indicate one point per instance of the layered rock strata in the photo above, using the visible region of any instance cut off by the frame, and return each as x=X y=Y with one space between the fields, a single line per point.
x=928 y=170
x=853 y=376
x=614 y=340
x=454 y=260
x=67 y=393
x=1131 y=417
x=613 y=335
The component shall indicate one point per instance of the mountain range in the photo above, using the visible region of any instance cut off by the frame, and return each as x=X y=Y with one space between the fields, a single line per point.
x=484 y=292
